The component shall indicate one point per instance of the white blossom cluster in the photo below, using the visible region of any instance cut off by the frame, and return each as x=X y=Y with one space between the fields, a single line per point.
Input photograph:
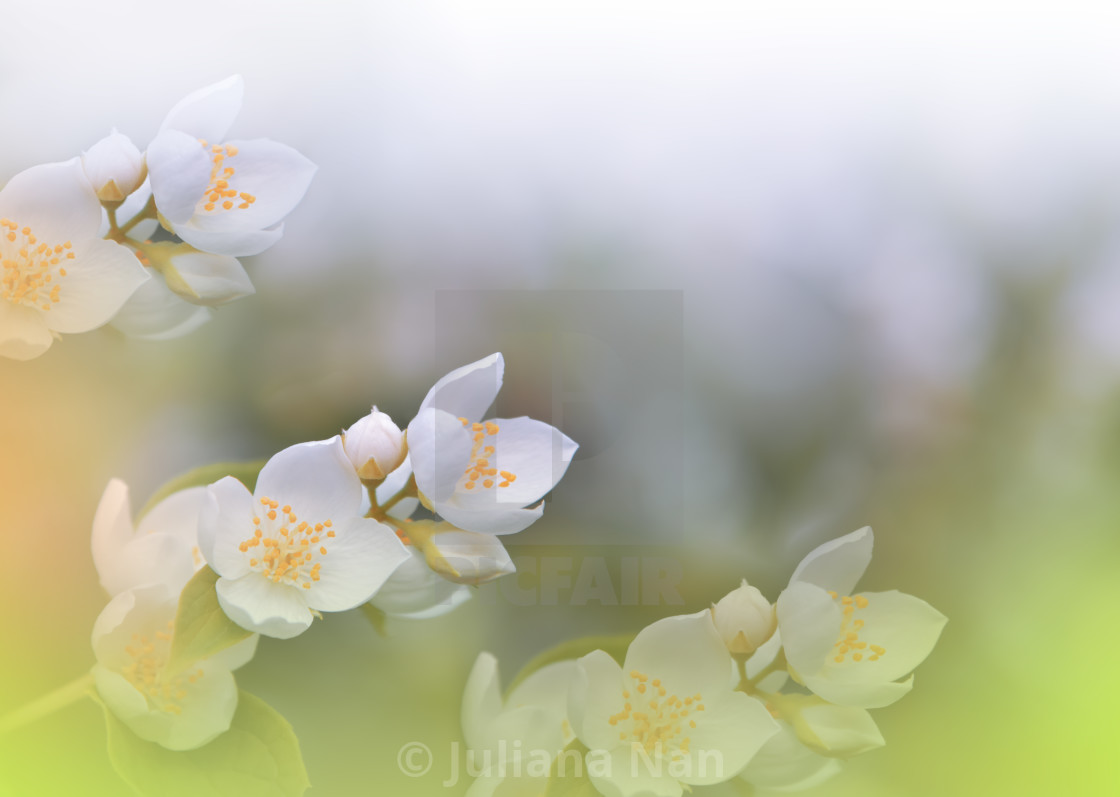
x=78 y=243
x=327 y=528
x=771 y=695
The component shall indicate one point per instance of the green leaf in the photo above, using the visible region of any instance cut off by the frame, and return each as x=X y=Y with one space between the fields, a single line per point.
x=257 y=757
x=245 y=472
x=615 y=646
x=201 y=627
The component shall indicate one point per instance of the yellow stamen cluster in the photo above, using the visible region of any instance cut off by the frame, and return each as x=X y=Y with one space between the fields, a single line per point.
x=219 y=194
x=850 y=628
x=290 y=545
x=653 y=718
x=145 y=671
x=479 y=470
x=30 y=266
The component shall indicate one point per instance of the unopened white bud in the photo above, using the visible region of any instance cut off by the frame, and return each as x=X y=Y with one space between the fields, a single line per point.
x=744 y=619
x=115 y=167
x=463 y=557
x=375 y=445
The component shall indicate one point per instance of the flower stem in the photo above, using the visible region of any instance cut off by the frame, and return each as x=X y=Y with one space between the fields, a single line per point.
x=147 y=212
x=47 y=704
x=381 y=511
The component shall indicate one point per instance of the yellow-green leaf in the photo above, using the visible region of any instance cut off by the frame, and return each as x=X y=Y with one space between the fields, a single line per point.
x=245 y=472
x=201 y=627
x=258 y=756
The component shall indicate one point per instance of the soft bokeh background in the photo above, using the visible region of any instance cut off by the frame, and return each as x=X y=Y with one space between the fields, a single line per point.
x=782 y=269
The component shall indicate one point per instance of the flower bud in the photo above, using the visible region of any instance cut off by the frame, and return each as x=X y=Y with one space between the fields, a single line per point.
x=375 y=445
x=464 y=557
x=744 y=619
x=115 y=167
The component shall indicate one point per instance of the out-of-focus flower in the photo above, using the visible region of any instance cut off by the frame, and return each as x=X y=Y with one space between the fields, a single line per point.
x=298 y=546
x=226 y=197
x=483 y=475
x=744 y=619
x=181 y=711
x=161 y=549
x=668 y=718
x=508 y=738
x=375 y=445
x=57 y=275
x=852 y=649
x=115 y=167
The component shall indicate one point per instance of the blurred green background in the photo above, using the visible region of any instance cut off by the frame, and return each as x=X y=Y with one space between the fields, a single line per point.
x=781 y=273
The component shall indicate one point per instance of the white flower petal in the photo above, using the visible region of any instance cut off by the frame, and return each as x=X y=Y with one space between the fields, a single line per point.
x=208 y=112
x=596 y=695
x=841 y=731
x=224 y=522
x=98 y=282
x=631 y=776
x=154 y=312
x=23 y=332
x=274 y=174
x=466 y=557
x=482 y=701
x=810 y=623
x=177 y=514
x=358 y=561
x=685 y=652
x=905 y=626
x=415 y=591
x=727 y=735
x=536 y=453
x=439 y=448
x=546 y=688
x=468 y=391
x=239 y=243
x=112 y=527
x=132 y=205
x=179 y=173
x=862 y=695
x=785 y=764
x=212 y=279
x=258 y=604
x=55 y=200
x=149 y=559
x=134 y=611
x=237 y=655
x=315 y=478
x=490 y=521
x=838 y=564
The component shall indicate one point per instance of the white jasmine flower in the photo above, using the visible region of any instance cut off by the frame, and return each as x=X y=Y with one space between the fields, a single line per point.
x=57 y=274
x=482 y=475
x=744 y=619
x=162 y=548
x=669 y=717
x=181 y=711
x=226 y=197
x=513 y=741
x=375 y=445
x=852 y=649
x=298 y=545
x=115 y=167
